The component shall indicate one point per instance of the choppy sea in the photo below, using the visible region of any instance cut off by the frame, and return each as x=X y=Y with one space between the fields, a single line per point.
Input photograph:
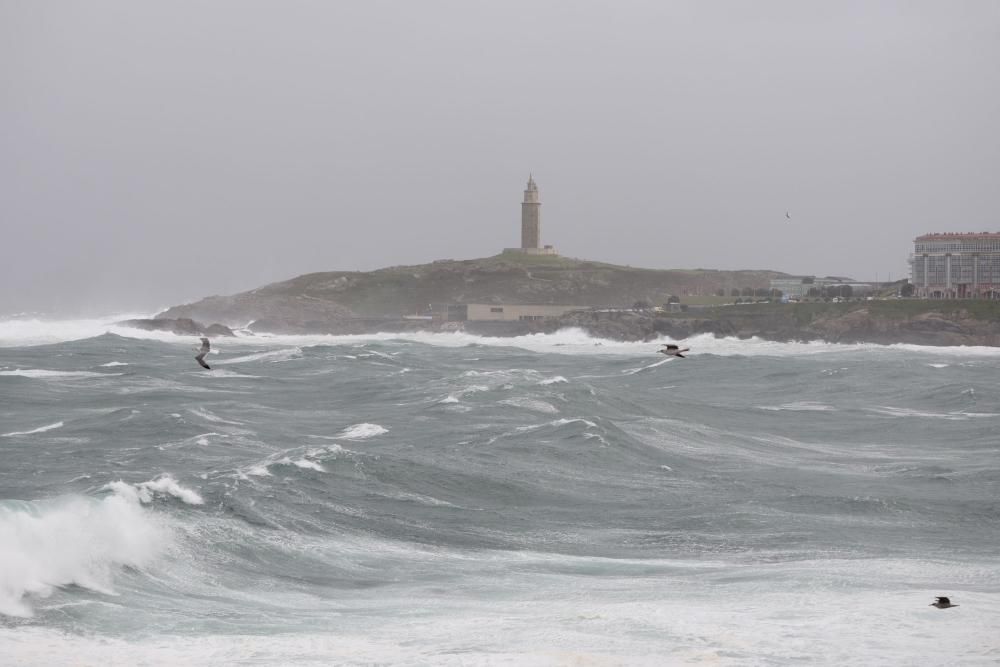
x=446 y=499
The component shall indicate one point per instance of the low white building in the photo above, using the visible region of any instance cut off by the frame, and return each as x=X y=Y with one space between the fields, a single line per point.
x=485 y=312
x=799 y=286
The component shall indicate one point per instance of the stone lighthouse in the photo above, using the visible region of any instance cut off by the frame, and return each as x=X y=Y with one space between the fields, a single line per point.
x=531 y=232
x=530 y=217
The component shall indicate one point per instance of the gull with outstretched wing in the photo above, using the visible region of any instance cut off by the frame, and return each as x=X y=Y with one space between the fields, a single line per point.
x=200 y=357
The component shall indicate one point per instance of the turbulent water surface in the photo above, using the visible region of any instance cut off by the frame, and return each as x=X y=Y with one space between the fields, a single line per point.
x=447 y=499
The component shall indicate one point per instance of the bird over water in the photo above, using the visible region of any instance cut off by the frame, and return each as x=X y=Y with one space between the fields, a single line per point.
x=200 y=357
x=942 y=603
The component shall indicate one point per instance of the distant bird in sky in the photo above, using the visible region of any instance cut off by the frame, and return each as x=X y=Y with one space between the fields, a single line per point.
x=200 y=357
x=788 y=216
x=942 y=603
x=672 y=350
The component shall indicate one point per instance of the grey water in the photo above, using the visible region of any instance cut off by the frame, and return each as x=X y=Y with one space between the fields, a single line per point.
x=449 y=499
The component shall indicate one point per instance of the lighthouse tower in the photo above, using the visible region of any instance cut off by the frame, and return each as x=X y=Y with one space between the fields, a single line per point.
x=531 y=217
x=531 y=224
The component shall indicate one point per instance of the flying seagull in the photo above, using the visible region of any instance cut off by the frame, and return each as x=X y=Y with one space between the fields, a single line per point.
x=200 y=357
x=788 y=216
x=942 y=603
x=672 y=350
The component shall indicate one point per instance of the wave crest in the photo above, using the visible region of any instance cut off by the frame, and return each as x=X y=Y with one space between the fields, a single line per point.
x=164 y=485
x=362 y=431
x=71 y=541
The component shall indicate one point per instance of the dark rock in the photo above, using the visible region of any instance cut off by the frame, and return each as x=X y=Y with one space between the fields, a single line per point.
x=182 y=326
x=214 y=330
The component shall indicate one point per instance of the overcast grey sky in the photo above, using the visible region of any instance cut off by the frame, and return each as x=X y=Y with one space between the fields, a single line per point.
x=157 y=152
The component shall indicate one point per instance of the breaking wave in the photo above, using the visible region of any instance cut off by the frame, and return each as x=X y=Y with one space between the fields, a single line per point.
x=362 y=431
x=72 y=541
x=164 y=485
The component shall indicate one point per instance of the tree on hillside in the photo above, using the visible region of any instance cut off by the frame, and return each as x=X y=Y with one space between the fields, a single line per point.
x=906 y=290
x=641 y=305
x=734 y=292
x=674 y=299
x=720 y=292
x=746 y=291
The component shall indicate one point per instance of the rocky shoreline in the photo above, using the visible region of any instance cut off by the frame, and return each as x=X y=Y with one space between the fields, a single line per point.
x=860 y=325
x=918 y=323
x=342 y=302
x=182 y=326
x=789 y=323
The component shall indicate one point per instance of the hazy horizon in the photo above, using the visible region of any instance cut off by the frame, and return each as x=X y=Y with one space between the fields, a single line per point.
x=155 y=154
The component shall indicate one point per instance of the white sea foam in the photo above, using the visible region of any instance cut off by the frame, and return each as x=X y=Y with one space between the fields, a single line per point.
x=164 y=485
x=568 y=341
x=799 y=406
x=376 y=353
x=72 y=540
x=115 y=363
x=273 y=356
x=362 y=431
x=563 y=422
x=596 y=436
x=908 y=412
x=205 y=414
x=296 y=457
x=456 y=396
x=558 y=379
x=709 y=344
x=308 y=464
x=262 y=469
x=633 y=371
x=20 y=332
x=421 y=499
x=558 y=422
x=40 y=429
x=40 y=373
x=531 y=404
x=217 y=373
x=814 y=611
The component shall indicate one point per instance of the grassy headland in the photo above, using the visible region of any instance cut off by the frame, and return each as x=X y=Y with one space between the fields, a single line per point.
x=510 y=278
x=355 y=301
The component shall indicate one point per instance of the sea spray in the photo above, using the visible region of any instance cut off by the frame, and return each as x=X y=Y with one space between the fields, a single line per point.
x=72 y=540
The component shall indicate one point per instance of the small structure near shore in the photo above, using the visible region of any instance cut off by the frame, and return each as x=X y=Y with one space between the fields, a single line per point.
x=493 y=312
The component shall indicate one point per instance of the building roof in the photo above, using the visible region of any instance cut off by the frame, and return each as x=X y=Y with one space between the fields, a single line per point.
x=957 y=236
